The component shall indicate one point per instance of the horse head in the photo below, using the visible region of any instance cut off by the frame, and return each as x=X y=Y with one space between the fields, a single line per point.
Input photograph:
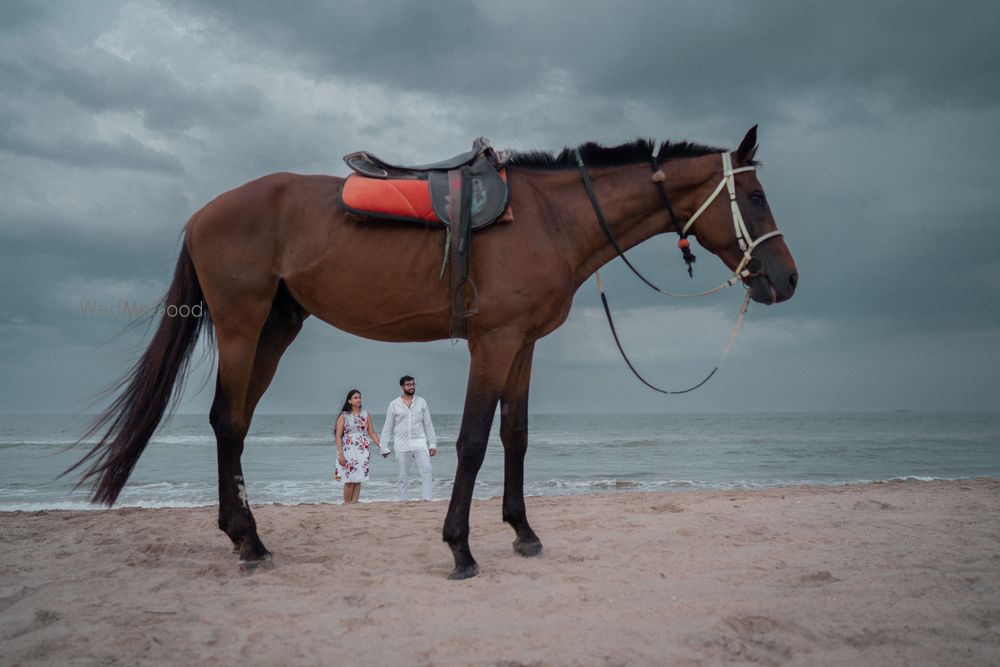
x=742 y=232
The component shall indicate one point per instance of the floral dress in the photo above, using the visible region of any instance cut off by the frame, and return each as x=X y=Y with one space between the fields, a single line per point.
x=357 y=446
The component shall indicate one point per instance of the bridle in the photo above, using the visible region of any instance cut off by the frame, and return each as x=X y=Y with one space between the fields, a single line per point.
x=747 y=267
x=743 y=237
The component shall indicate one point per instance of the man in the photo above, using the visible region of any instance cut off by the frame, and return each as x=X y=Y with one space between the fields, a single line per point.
x=408 y=423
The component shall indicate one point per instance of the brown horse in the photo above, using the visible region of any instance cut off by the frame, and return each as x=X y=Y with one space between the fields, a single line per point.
x=268 y=254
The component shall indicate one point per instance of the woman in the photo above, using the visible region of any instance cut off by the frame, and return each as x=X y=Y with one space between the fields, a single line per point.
x=354 y=433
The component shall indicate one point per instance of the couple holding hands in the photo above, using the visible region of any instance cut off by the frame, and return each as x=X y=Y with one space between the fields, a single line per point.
x=407 y=424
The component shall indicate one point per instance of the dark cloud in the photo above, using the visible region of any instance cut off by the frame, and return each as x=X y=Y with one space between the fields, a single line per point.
x=124 y=153
x=449 y=47
x=118 y=121
x=689 y=58
x=98 y=82
x=16 y=15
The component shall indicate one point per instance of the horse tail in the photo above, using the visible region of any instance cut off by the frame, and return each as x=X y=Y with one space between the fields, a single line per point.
x=146 y=390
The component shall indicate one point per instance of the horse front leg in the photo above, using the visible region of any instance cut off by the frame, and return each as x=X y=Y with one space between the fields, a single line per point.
x=514 y=434
x=491 y=360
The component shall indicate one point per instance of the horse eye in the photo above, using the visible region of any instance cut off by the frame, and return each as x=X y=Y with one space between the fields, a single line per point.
x=757 y=198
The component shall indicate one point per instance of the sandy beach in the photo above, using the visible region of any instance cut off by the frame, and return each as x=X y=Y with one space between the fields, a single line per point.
x=884 y=574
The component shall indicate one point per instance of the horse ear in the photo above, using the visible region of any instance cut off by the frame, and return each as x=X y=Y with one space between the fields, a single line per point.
x=748 y=147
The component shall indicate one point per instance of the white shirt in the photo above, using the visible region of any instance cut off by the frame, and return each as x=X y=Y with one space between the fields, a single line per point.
x=410 y=427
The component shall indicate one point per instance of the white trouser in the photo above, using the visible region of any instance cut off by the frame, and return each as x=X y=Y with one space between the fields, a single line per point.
x=404 y=460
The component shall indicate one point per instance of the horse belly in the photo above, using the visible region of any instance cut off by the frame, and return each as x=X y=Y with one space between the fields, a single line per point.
x=371 y=291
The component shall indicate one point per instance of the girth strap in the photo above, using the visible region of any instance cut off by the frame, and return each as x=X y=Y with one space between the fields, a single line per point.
x=464 y=295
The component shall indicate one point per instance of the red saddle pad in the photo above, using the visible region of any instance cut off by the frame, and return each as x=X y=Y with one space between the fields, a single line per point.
x=397 y=199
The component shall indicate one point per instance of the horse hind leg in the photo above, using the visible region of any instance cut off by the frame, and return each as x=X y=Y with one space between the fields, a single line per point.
x=246 y=367
x=230 y=423
x=514 y=435
x=283 y=324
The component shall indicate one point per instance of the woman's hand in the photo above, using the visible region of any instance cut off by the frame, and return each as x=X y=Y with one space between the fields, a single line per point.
x=341 y=460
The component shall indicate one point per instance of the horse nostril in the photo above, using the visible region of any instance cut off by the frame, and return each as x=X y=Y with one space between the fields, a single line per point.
x=793 y=279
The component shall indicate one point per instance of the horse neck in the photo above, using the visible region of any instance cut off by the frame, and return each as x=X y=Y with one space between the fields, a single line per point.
x=632 y=207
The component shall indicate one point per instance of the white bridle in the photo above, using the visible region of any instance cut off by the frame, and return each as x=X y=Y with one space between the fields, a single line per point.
x=747 y=245
x=747 y=242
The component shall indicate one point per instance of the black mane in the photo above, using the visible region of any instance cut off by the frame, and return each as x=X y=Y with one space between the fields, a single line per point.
x=596 y=155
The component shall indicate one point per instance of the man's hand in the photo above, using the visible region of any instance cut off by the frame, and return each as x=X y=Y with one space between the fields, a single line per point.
x=433 y=451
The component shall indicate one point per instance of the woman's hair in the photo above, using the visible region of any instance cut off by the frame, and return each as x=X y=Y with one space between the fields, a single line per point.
x=347 y=401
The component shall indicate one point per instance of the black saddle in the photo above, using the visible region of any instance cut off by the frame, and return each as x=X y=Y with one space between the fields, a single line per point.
x=371 y=166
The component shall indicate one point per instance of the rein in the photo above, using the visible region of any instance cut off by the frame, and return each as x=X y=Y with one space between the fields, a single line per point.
x=747 y=267
x=725 y=353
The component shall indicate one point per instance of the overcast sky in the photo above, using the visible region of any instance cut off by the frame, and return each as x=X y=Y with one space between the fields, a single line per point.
x=879 y=136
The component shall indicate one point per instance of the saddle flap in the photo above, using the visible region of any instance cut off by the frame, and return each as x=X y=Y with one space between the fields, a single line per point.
x=488 y=198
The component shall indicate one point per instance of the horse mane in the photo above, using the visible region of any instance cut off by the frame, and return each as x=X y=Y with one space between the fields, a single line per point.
x=597 y=155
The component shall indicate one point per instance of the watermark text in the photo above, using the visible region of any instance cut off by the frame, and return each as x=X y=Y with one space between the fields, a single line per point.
x=136 y=309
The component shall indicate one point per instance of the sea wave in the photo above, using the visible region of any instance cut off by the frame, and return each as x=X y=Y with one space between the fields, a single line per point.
x=287 y=492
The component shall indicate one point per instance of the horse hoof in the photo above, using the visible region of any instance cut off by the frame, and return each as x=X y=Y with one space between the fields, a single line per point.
x=464 y=572
x=528 y=549
x=258 y=565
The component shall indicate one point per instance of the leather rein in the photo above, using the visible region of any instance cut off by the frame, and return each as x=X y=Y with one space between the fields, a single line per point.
x=748 y=266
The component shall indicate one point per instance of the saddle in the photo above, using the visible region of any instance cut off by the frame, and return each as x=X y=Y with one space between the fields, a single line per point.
x=463 y=193
x=379 y=189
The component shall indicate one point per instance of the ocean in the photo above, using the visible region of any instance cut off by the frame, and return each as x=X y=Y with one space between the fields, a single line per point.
x=289 y=459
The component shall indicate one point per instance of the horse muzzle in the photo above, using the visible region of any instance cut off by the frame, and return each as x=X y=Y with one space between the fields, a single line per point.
x=767 y=288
